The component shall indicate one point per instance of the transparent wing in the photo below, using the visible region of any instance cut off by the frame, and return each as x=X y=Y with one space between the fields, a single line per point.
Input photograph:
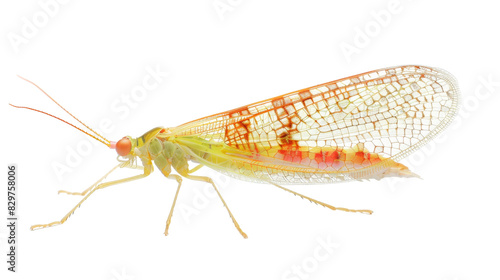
x=351 y=128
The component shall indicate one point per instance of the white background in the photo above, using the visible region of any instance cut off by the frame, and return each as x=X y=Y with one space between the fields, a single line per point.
x=90 y=55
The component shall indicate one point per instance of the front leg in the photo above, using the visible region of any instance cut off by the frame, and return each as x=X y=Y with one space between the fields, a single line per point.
x=122 y=165
x=147 y=171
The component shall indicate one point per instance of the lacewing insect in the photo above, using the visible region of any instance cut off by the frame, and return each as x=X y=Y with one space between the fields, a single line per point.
x=354 y=128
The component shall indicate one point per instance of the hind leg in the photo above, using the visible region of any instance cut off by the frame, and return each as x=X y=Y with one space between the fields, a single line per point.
x=369 y=212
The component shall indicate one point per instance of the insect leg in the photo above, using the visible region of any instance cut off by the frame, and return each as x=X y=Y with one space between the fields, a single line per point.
x=369 y=212
x=84 y=192
x=147 y=171
x=179 y=180
x=196 y=168
x=209 y=180
x=96 y=183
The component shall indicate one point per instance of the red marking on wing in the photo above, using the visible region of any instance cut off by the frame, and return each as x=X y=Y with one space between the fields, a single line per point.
x=328 y=158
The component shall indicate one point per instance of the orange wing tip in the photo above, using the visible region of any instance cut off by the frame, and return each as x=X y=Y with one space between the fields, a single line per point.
x=399 y=170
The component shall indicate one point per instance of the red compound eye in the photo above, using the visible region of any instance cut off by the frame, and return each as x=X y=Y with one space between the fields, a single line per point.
x=123 y=146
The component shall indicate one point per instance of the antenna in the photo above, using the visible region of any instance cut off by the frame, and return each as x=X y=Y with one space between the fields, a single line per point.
x=97 y=136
